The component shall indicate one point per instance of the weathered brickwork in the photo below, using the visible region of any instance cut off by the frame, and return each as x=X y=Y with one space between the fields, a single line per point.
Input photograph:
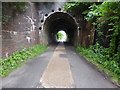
x=27 y=28
x=20 y=31
x=85 y=32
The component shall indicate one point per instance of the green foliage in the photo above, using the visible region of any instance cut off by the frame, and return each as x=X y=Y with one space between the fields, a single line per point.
x=20 y=6
x=5 y=18
x=93 y=13
x=77 y=7
x=100 y=56
x=17 y=7
x=20 y=57
x=107 y=19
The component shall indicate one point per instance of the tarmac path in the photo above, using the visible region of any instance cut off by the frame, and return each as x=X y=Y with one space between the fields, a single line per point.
x=59 y=67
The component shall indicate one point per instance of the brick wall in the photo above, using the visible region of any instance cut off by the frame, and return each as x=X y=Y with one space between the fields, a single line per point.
x=20 y=31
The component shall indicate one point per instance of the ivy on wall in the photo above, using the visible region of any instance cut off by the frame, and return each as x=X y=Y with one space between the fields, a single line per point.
x=17 y=7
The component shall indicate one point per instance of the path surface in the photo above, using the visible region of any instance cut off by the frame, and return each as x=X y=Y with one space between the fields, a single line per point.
x=58 y=67
x=58 y=73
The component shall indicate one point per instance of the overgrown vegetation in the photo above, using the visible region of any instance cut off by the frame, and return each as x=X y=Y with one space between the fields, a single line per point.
x=77 y=7
x=20 y=57
x=99 y=56
x=19 y=6
x=106 y=18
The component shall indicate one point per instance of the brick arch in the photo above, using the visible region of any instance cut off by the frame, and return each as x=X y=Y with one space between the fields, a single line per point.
x=59 y=21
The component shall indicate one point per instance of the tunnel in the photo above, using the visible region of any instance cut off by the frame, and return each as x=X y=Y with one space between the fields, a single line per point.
x=59 y=21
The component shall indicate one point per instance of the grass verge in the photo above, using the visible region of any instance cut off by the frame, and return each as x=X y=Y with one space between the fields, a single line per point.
x=99 y=58
x=19 y=58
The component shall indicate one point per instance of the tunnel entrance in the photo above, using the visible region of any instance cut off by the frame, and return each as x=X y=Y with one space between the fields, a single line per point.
x=56 y=22
x=61 y=36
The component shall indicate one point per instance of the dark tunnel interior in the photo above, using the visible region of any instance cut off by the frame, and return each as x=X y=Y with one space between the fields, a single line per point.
x=59 y=21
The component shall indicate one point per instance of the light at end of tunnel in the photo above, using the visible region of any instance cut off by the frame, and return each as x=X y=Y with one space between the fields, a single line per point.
x=61 y=36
